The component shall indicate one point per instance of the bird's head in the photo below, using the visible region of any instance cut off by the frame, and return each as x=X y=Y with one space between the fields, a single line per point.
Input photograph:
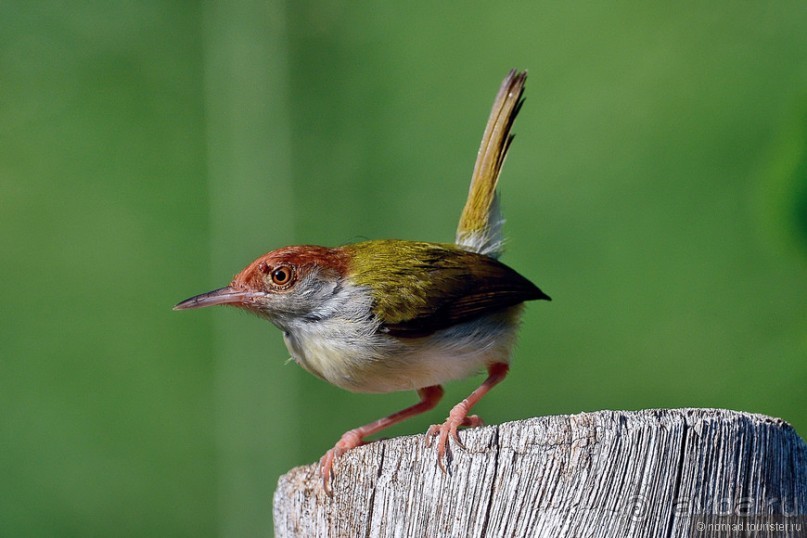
x=285 y=284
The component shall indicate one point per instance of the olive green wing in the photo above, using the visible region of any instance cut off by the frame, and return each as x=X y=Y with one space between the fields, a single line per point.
x=420 y=288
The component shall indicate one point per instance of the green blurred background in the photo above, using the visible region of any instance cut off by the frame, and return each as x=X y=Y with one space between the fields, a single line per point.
x=657 y=189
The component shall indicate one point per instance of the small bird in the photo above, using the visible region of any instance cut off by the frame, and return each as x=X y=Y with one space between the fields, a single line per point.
x=392 y=315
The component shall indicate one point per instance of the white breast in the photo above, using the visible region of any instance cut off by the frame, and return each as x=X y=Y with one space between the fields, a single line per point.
x=356 y=357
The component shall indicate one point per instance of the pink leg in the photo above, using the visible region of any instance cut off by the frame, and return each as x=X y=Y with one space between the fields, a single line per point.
x=429 y=397
x=459 y=413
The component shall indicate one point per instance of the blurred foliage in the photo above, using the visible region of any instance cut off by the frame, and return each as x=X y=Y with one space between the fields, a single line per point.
x=657 y=190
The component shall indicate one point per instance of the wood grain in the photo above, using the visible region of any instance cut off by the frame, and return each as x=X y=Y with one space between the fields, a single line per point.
x=603 y=474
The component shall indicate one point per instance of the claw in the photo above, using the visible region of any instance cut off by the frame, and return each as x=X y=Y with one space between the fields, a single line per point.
x=349 y=440
x=455 y=435
x=326 y=467
x=449 y=429
x=431 y=432
x=443 y=448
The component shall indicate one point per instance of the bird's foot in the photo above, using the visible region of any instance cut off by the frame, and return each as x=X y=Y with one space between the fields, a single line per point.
x=350 y=439
x=456 y=418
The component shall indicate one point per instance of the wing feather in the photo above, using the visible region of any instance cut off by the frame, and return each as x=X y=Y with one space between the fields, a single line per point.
x=420 y=288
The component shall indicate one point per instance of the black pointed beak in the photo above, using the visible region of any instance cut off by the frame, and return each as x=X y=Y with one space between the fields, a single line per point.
x=222 y=296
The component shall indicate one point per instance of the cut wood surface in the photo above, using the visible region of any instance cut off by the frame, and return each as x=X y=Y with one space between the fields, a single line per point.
x=609 y=473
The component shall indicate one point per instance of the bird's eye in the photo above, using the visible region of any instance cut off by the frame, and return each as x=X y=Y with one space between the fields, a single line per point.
x=282 y=275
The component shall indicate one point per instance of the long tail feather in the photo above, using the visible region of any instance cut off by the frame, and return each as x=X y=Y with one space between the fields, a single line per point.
x=480 y=227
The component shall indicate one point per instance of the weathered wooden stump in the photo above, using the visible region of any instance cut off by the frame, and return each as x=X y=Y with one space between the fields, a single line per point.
x=647 y=473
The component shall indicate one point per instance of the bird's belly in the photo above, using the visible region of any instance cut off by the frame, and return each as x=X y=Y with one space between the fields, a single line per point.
x=383 y=363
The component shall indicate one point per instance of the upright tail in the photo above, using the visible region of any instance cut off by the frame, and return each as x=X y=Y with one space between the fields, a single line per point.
x=480 y=227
